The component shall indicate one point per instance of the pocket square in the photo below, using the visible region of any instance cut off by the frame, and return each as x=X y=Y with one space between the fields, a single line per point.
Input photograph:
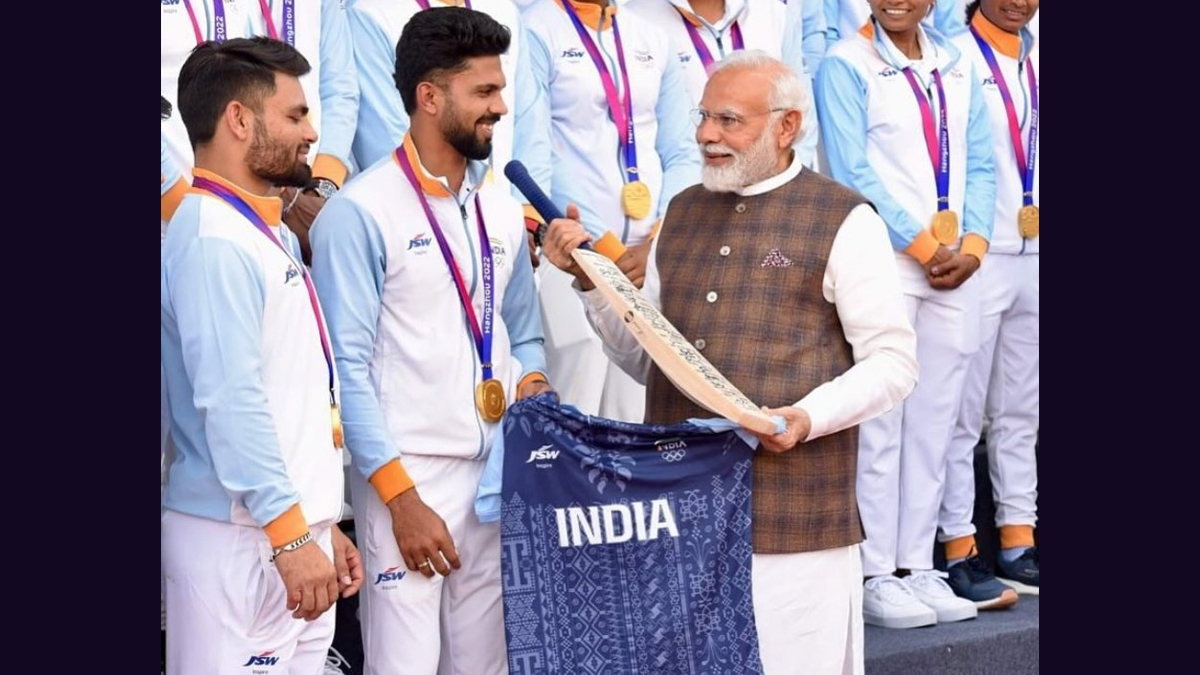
x=775 y=258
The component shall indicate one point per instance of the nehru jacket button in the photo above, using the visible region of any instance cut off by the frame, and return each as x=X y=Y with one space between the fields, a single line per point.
x=711 y=297
x=740 y=208
x=700 y=343
x=724 y=250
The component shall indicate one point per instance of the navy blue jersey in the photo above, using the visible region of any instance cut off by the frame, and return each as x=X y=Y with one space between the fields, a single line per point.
x=625 y=547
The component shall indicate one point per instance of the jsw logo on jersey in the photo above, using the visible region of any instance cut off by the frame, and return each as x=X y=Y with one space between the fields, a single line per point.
x=684 y=57
x=263 y=659
x=390 y=574
x=572 y=53
x=990 y=80
x=542 y=453
x=170 y=2
x=419 y=241
x=888 y=72
x=292 y=273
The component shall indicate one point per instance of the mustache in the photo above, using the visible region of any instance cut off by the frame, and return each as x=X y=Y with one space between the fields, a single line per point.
x=717 y=149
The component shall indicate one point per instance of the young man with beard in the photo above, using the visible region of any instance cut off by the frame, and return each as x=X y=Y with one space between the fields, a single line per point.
x=254 y=484
x=424 y=268
x=765 y=238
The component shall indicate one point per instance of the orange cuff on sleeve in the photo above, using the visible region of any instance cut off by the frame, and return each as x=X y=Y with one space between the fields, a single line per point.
x=534 y=375
x=390 y=480
x=532 y=214
x=960 y=548
x=170 y=201
x=1012 y=536
x=328 y=166
x=287 y=528
x=923 y=247
x=973 y=244
x=609 y=246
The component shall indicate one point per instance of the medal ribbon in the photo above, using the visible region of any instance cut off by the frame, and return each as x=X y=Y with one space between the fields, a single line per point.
x=248 y=211
x=622 y=114
x=706 y=57
x=1014 y=127
x=289 y=21
x=218 y=21
x=483 y=338
x=939 y=153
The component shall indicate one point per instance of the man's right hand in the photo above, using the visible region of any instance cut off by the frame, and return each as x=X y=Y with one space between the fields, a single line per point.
x=421 y=534
x=310 y=580
x=564 y=236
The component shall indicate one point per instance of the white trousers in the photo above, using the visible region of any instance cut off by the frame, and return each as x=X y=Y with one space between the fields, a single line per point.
x=580 y=371
x=808 y=611
x=1004 y=380
x=412 y=625
x=227 y=605
x=902 y=454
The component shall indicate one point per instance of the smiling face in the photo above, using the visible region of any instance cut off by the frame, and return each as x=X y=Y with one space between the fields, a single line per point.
x=1009 y=15
x=278 y=151
x=473 y=106
x=899 y=16
x=737 y=145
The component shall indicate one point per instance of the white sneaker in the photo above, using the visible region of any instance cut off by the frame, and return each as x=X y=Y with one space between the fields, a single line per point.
x=931 y=588
x=888 y=602
x=334 y=662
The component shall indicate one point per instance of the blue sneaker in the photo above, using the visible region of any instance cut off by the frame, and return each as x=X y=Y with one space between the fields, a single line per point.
x=1022 y=573
x=973 y=580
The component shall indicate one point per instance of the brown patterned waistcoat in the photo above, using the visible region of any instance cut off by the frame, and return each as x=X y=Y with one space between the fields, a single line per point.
x=769 y=330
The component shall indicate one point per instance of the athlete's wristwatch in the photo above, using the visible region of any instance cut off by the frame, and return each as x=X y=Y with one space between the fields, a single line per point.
x=324 y=187
x=292 y=545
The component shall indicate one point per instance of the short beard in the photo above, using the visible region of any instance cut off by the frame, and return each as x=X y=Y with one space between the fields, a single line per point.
x=752 y=166
x=462 y=137
x=274 y=162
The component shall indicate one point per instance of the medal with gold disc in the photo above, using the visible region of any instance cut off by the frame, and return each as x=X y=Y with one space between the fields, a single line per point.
x=1027 y=221
x=489 y=393
x=944 y=224
x=636 y=200
x=945 y=227
x=1027 y=217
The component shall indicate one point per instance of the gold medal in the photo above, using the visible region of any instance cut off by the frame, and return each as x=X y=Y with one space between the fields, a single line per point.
x=335 y=416
x=1027 y=222
x=489 y=399
x=945 y=227
x=635 y=199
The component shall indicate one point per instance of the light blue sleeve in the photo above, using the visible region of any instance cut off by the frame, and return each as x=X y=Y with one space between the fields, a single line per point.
x=348 y=270
x=795 y=56
x=167 y=167
x=950 y=17
x=813 y=28
x=842 y=107
x=979 y=209
x=531 y=144
x=831 y=22
x=531 y=124
x=523 y=315
x=339 y=83
x=487 y=496
x=218 y=295
x=676 y=142
x=381 y=117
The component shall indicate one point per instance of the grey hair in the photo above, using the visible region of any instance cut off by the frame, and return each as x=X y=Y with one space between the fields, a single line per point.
x=787 y=90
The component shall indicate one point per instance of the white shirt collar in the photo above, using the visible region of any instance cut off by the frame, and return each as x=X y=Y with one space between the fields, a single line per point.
x=775 y=181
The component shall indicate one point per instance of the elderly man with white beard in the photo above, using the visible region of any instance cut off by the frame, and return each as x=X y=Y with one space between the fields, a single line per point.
x=786 y=282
